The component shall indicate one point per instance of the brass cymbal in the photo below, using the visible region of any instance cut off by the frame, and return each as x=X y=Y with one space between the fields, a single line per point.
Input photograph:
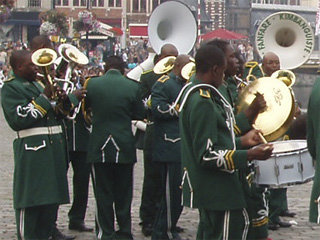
x=164 y=65
x=277 y=117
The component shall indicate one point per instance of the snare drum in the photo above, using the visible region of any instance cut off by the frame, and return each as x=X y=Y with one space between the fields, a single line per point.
x=289 y=164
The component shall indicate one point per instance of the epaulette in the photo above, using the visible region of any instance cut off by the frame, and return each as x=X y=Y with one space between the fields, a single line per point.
x=8 y=79
x=163 y=78
x=204 y=93
x=251 y=64
x=145 y=72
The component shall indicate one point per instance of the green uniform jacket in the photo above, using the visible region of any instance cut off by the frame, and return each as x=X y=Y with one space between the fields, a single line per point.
x=78 y=134
x=313 y=140
x=40 y=160
x=230 y=92
x=147 y=80
x=166 y=121
x=115 y=101
x=209 y=159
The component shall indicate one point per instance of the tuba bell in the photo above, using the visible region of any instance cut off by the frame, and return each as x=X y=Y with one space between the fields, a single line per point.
x=288 y=35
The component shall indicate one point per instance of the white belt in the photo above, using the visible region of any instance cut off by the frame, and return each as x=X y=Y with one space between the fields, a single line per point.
x=39 y=131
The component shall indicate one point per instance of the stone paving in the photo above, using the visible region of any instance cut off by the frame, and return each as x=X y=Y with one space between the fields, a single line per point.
x=298 y=200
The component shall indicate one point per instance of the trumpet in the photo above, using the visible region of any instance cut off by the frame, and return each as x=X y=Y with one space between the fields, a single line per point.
x=241 y=83
x=43 y=58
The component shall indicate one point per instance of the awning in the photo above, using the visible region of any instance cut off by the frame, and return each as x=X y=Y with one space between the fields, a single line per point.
x=22 y=22
x=23 y=18
x=138 y=30
x=94 y=37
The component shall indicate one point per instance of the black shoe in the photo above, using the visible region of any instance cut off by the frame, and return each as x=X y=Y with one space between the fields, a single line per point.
x=79 y=227
x=57 y=235
x=284 y=224
x=286 y=213
x=147 y=229
x=179 y=229
x=273 y=226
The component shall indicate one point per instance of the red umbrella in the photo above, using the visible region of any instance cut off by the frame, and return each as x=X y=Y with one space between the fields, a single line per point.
x=223 y=34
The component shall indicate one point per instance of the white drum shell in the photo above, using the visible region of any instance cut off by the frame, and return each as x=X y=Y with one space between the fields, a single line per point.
x=289 y=164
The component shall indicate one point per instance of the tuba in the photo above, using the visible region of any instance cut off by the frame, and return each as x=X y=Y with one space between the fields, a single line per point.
x=170 y=22
x=44 y=58
x=288 y=35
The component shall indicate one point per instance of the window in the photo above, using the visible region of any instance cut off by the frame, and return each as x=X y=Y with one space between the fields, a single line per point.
x=114 y=3
x=34 y=3
x=65 y=3
x=93 y=3
x=76 y=3
x=139 y=6
x=83 y=3
x=101 y=3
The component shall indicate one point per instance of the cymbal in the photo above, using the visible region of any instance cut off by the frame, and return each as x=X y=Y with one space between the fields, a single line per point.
x=278 y=115
x=164 y=65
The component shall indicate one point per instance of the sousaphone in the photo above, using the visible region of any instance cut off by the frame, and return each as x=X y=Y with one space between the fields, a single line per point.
x=288 y=35
x=170 y=22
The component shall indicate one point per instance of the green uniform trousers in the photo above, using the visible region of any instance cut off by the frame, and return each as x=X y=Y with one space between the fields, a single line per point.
x=151 y=193
x=113 y=186
x=277 y=203
x=81 y=176
x=170 y=206
x=224 y=225
x=36 y=222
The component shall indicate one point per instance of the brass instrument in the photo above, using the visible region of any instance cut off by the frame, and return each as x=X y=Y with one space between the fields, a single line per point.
x=285 y=76
x=71 y=57
x=164 y=65
x=188 y=70
x=43 y=58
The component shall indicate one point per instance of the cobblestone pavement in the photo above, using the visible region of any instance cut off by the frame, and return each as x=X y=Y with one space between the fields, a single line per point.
x=298 y=200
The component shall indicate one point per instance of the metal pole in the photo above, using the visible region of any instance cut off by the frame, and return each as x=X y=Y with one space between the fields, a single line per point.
x=199 y=21
x=87 y=31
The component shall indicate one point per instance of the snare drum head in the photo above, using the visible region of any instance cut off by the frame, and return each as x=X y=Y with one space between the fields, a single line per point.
x=288 y=146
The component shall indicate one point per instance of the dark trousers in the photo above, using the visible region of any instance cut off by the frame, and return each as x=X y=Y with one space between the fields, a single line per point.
x=170 y=206
x=221 y=225
x=36 y=222
x=151 y=188
x=277 y=203
x=81 y=176
x=113 y=186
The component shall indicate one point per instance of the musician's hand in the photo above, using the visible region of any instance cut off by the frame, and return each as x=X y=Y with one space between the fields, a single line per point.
x=261 y=152
x=257 y=106
x=80 y=93
x=61 y=94
x=251 y=138
x=47 y=91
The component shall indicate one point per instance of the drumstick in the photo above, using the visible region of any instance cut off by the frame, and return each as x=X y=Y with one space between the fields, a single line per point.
x=260 y=135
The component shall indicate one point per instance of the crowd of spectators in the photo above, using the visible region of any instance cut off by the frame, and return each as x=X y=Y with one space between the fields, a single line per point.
x=135 y=53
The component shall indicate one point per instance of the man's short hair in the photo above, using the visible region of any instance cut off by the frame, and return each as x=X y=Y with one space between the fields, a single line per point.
x=208 y=56
x=114 y=62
